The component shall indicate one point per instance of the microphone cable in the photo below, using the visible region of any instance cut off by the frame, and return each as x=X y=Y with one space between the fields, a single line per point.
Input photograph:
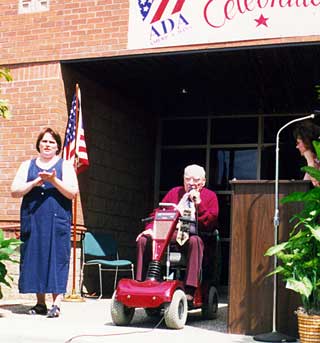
x=116 y=333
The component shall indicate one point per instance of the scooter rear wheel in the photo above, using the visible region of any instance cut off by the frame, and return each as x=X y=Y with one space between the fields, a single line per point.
x=175 y=314
x=120 y=314
x=210 y=307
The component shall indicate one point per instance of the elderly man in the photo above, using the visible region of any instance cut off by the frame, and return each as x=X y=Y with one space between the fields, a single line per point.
x=204 y=207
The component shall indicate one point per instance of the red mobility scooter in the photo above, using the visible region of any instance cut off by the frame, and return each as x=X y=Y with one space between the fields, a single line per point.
x=162 y=293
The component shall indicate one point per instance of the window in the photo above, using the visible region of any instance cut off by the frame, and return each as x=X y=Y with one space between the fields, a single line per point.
x=272 y=126
x=234 y=130
x=173 y=162
x=227 y=164
x=31 y=6
x=241 y=147
x=184 y=132
x=290 y=162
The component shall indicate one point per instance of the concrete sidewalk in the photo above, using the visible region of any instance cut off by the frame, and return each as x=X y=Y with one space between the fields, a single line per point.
x=90 y=322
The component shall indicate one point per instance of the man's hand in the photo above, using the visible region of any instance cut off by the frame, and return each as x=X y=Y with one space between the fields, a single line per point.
x=147 y=232
x=194 y=195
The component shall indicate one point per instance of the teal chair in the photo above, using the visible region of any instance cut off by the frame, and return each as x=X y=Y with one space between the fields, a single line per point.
x=101 y=249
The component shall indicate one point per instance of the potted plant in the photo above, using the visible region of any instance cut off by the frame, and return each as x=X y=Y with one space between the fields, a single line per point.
x=299 y=257
x=7 y=247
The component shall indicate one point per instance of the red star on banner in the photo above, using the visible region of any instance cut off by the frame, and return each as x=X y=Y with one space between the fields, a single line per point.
x=262 y=21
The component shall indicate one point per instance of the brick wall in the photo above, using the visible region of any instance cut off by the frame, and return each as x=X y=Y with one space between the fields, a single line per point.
x=120 y=135
x=70 y=28
x=37 y=100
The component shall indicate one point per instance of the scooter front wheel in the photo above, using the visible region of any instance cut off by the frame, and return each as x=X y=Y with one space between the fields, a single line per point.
x=175 y=314
x=120 y=314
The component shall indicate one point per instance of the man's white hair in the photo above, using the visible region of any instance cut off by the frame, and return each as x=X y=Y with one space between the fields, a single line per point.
x=195 y=170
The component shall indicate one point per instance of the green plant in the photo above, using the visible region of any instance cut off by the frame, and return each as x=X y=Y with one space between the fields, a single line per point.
x=4 y=106
x=299 y=256
x=7 y=247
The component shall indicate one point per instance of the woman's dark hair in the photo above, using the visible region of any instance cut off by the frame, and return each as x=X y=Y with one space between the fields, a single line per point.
x=55 y=136
x=307 y=132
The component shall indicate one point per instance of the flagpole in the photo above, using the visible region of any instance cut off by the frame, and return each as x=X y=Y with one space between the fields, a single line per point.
x=74 y=296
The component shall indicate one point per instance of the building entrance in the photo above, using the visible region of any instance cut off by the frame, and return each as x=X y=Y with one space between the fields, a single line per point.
x=220 y=109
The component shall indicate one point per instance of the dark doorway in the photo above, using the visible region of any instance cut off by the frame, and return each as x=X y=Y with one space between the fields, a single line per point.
x=218 y=108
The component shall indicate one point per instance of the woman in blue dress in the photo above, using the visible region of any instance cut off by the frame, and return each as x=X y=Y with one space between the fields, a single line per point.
x=47 y=184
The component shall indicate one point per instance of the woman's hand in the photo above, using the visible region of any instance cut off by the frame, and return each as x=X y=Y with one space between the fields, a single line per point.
x=47 y=176
x=20 y=188
x=37 y=182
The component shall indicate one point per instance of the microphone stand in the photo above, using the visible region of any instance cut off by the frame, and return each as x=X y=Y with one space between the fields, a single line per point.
x=275 y=336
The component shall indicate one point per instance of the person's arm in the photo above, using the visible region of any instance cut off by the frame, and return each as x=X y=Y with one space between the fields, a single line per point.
x=68 y=186
x=70 y=179
x=310 y=158
x=147 y=231
x=208 y=211
x=20 y=186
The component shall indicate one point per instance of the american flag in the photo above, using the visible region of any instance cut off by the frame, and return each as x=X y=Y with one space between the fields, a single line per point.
x=155 y=9
x=75 y=147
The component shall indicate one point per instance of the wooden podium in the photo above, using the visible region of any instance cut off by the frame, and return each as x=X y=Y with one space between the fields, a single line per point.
x=252 y=233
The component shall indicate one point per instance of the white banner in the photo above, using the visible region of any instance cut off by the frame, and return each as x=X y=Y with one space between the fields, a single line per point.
x=160 y=23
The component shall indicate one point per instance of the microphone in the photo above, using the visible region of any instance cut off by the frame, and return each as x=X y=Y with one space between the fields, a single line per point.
x=311 y=116
x=276 y=216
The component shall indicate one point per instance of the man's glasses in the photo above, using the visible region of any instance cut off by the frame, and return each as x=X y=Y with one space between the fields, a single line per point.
x=194 y=179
